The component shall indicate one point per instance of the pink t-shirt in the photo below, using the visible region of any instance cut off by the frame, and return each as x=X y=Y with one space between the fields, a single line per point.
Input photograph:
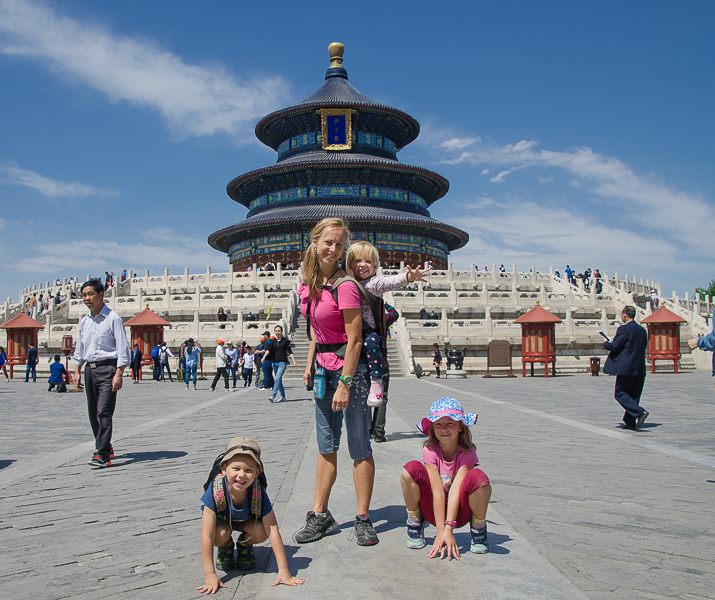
x=432 y=455
x=327 y=321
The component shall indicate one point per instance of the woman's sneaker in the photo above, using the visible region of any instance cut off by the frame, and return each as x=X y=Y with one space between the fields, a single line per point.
x=374 y=399
x=315 y=527
x=224 y=558
x=245 y=558
x=416 y=533
x=480 y=542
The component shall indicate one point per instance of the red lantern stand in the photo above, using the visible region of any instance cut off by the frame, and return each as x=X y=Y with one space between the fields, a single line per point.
x=67 y=350
x=147 y=330
x=663 y=337
x=21 y=330
x=538 y=339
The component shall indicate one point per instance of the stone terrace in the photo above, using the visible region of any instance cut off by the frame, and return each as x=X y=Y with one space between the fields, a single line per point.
x=580 y=508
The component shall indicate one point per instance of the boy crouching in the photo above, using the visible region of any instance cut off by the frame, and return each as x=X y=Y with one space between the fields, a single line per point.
x=236 y=500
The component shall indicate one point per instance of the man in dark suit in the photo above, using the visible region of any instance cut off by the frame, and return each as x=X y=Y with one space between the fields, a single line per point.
x=136 y=363
x=626 y=360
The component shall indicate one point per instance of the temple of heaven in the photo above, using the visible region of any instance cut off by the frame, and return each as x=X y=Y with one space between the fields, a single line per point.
x=337 y=157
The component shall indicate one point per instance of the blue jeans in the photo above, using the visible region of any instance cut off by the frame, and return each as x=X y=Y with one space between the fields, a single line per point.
x=233 y=372
x=268 y=374
x=165 y=366
x=278 y=369
x=358 y=416
x=190 y=370
x=27 y=373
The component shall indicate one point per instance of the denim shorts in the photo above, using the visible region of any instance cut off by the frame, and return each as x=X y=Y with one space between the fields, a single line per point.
x=358 y=416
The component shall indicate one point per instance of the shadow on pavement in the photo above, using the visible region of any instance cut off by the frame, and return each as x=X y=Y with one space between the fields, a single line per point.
x=6 y=462
x=146 y=456
x=496 y=541
x=403 y=435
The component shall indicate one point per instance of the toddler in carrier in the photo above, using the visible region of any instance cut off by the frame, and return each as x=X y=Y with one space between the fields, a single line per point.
x=361 y=262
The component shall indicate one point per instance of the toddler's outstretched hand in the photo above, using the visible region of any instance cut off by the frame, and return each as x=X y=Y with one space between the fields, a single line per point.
x=417 y=274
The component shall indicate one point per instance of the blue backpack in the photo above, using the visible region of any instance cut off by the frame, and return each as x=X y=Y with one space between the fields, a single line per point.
x=155 y=352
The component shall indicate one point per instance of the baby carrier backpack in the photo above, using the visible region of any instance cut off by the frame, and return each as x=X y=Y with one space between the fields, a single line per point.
x=218 y=488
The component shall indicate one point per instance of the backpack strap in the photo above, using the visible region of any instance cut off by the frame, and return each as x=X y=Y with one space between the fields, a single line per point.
x=218 y=490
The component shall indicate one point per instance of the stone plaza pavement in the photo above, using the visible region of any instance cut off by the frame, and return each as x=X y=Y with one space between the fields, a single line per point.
x=580 y=508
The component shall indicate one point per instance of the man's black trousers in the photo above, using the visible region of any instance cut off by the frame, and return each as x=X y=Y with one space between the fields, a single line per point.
x=628 y=395
x=101 y=401
x=220 y=372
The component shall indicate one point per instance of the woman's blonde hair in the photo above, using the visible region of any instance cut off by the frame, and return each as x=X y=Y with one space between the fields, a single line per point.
x=311 y=267
x=464 y=440
x=361 y=249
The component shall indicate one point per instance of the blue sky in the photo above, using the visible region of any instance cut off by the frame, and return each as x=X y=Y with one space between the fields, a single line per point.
x=570 y=132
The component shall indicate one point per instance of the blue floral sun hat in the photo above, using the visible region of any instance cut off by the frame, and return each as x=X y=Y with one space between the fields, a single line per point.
x=446 y=407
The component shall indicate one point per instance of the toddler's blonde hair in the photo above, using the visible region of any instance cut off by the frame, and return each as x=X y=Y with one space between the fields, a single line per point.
x=361 y=249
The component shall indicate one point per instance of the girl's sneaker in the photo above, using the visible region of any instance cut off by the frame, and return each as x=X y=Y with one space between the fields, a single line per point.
x=480 y=542
x=416 y=533
x=245 y=559
x=375 y=397
x=224 y=557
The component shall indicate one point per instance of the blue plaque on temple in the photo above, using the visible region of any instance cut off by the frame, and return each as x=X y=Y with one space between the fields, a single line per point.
x=336 y=130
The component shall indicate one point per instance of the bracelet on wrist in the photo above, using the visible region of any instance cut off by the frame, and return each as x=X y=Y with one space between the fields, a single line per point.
x=452 y=524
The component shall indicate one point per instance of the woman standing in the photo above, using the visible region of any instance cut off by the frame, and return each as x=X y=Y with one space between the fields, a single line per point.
x=336 y=336
x=279 y=352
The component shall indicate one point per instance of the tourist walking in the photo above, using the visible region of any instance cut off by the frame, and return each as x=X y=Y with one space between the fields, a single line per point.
x=247 y=367
x=436 y=358
x=33 y=306
x=279 y=352
x=626 y=360
x=136 y=363
x=3 y=362
x=232 y=361
x=221 y=363
x=32 y=360
x=266 y=362
x=705 y=342
x=191 y=355
x=336 y=344
x=164 y=356
x=155 y=359
x=103 y=349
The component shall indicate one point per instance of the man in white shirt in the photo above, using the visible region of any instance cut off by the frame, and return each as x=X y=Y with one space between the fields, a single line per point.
x=220 y=366
x=103 y=348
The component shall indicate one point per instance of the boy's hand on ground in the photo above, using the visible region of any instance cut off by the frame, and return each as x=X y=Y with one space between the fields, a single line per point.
x=287 y=579
x=211 y=585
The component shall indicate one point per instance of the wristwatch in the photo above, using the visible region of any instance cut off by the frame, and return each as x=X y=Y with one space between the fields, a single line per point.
x=346 y=380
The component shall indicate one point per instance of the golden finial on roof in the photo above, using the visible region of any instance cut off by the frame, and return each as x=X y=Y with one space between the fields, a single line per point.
x=336 y=50
x=537 y=303
x=147 y=306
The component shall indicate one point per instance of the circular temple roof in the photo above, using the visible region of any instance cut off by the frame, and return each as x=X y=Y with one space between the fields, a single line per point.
x=309 y=214
x=402 y=128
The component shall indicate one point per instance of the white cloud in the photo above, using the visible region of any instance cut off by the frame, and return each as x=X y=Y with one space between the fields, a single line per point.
x=160 y=234
x=542 y=179
x=459 y=143
x=194 y=100
x=485 y=172
x=2 y=224
x=90 y=256
x=645 y=199
x=50 y=187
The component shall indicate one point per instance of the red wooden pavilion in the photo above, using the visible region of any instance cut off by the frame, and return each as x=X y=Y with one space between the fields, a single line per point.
x=663 y=337
x=21 y=330
x=147 y=330
x=538 y=339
